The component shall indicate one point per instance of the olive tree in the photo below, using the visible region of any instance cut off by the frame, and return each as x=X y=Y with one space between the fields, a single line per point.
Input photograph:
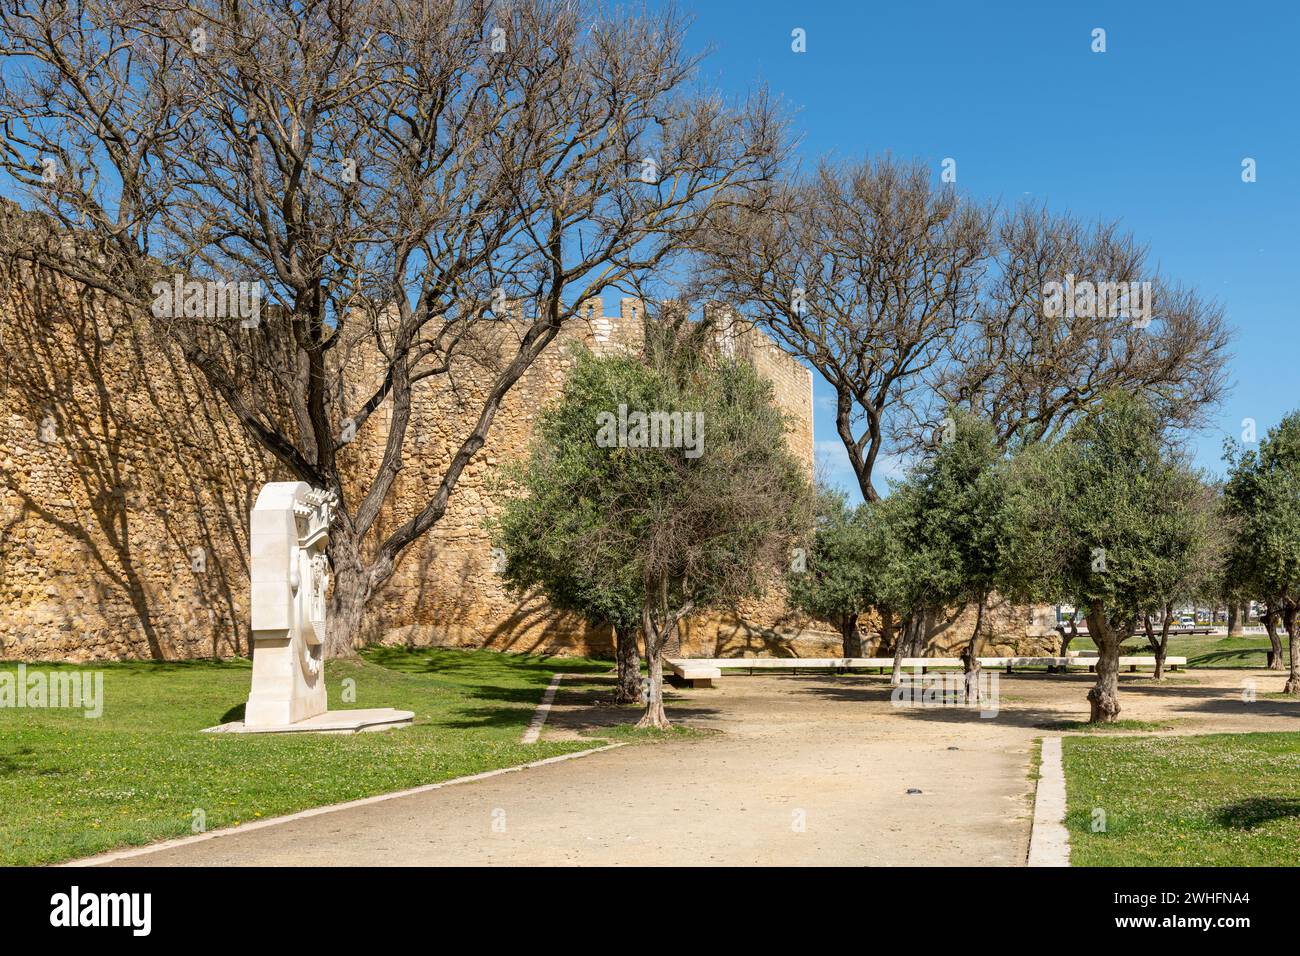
x=920 y=569
x=839 y=576
x=697 y=500
x=965 y=479
x=946 y=524
x=1195 y=536
x=1263 y=494
x=1095 y=518
x=540 y=535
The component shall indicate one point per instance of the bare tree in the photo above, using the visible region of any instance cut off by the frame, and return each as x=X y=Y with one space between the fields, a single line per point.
x=387 y=174
x=1032 y=366
x=911 y=301
x=865 y=271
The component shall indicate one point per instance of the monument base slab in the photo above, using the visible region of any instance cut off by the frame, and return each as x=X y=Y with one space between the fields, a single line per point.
x=330 y=722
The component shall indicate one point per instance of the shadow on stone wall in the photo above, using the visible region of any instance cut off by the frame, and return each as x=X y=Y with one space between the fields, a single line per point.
x=125 y=493
x=427 y=606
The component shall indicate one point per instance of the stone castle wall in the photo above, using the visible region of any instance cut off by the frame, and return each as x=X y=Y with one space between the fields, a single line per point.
x=444 y=591
x=125 y=488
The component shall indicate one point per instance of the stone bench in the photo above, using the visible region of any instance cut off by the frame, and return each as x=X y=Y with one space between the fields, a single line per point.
x=694 y=672
x=1133 y=663
x=703 y=671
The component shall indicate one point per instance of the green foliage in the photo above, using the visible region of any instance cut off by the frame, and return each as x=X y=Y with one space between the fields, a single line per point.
x=947 y=521
x=609 y=531
x=935 y=541
x=1263 y=495
x=964 y=489
x=1108 y=517
x=844 y=566
x=544 y=529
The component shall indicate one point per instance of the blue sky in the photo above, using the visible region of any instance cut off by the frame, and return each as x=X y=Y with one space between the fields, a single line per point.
x=1152 y=132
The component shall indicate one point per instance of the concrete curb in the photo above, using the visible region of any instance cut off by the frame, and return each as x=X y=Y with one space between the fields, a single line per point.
x=114 y=855
x=534 y=731
x=1049 y=841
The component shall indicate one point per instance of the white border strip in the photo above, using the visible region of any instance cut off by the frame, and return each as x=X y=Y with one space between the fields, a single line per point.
x=534 y=731
x=115 y=855
x=1049 y=840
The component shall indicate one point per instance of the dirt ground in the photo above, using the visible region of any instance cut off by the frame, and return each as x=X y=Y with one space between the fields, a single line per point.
x=788 y=770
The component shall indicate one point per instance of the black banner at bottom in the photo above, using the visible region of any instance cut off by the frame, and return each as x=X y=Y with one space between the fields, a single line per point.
x=214 y=906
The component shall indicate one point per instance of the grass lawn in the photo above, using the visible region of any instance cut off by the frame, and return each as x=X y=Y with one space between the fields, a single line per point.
x=1115 y=726
x=72 y=786
x=1217 y=800
x=1201 y=650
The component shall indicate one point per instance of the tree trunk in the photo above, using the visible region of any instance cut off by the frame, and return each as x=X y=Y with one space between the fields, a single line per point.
x=1104 y=696
x=1162 y=649
x=1067 y=637
x=970 y=657
x=1270 y=625
x=904 y=639
x=851 y=640
x=350 y=590
x=1293 y=643
x=886 y=628
x=629 y=665
x=655 y=636
x=1235 y=623
x=1151 y=634
x=920 y=630
x=655 y=715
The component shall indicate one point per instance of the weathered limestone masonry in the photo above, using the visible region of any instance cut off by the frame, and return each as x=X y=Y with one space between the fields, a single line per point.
x=444 y=591
x=125 y=490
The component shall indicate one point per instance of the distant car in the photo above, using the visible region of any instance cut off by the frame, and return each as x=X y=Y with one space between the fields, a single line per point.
x=1187 y=621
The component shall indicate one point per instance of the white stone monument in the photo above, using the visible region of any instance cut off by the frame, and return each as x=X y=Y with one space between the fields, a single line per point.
x=288 y=534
